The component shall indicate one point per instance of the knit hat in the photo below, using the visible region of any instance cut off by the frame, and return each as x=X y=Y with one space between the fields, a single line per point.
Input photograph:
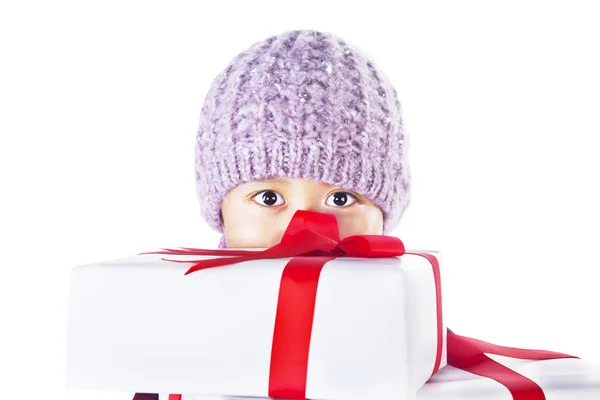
x=303 y=104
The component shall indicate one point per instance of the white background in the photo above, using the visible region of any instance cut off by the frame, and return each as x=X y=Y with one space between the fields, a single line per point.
x=100 y=102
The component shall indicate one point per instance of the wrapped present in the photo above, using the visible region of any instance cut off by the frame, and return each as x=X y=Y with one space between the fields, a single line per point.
x=478 y=370
x=312 y=317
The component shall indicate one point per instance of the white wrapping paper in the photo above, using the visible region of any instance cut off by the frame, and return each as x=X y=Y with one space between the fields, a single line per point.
x=139 y=324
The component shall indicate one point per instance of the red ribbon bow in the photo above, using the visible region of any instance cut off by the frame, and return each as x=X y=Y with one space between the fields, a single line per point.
x=311 y=239
x=308 y=234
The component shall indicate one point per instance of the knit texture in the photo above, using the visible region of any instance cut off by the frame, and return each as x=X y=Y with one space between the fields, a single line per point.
x=303 y=104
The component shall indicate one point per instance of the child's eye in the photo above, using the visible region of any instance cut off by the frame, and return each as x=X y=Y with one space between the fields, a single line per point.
x=268 y=198
x=340 y=199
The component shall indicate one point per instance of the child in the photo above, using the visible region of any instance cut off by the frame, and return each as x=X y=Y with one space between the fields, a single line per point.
x=302 y=120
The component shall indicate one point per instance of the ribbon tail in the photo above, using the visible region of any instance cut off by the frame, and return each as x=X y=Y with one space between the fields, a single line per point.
x=277 y=251
x=188 y=251
x=519 y=386
x=214 y=262
x=468 y=354
x=479 y=346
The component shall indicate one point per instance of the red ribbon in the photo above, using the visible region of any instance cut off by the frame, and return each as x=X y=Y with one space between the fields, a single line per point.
x=469 y=355
x=312 y=239
x=308 y=234
x=438 y=300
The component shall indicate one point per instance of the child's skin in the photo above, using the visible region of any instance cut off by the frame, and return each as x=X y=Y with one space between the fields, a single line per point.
x=256 y=214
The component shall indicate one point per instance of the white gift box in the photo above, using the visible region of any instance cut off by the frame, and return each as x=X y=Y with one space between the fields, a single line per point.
x=140 y=324
x=560 y=379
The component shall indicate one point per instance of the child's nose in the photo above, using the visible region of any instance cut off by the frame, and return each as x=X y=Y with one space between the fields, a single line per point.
x=294 y=206
x=306 y=204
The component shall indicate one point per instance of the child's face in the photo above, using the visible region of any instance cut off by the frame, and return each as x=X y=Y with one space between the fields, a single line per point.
x=256 y=214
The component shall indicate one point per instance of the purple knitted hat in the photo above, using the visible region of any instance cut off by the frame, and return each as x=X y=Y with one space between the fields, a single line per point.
x=303 y=104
